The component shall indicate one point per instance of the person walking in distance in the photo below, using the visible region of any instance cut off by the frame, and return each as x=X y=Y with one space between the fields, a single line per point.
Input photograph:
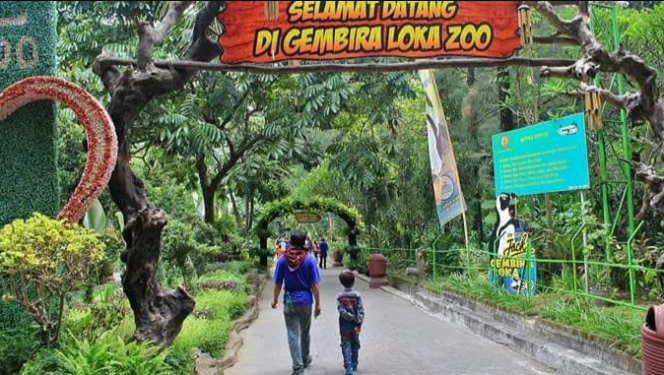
x=322 y=249
x=297 y=274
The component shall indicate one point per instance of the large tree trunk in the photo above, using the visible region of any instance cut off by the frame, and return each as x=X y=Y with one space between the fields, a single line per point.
x=506 y=115
x=236 y=211
x=158 y=312
x=473 y=133
x=208 y=203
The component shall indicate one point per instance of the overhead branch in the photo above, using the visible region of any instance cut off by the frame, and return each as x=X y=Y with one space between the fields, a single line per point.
x=647 y=105
x=547 y=10
x=344 y=67
x=555 y=40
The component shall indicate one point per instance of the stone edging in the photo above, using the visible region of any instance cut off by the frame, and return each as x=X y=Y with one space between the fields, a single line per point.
x=206 y=365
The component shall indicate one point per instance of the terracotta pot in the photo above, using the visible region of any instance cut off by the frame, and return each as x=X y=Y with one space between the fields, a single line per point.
x=377 y=270
x=338 y=258
x=653 y=343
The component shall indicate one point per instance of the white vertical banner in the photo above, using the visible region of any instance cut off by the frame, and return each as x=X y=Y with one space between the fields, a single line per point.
x=446 y=184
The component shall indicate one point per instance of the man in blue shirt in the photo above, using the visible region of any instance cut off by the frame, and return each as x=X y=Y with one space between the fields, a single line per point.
x=297 y=273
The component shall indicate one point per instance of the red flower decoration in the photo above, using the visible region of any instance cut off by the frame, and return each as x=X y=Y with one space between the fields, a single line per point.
x=102 y=141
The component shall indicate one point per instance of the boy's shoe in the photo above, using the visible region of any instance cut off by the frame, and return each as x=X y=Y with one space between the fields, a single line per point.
x=349 y=371
x=307 y=361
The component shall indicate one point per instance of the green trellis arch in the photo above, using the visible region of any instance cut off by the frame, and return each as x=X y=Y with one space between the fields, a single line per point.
x=289 y=206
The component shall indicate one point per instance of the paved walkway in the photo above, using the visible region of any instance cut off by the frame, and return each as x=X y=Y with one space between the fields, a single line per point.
x=397 y=338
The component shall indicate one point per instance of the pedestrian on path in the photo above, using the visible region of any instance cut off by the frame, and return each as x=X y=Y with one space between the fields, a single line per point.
x=351 y=317
x=323 y=248
x=297 y=273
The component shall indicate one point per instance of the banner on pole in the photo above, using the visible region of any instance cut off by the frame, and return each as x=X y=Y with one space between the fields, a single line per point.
x=446 y=185
x=271 y=31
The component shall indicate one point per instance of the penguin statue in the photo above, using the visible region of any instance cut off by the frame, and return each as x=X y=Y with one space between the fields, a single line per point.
x=506 y=224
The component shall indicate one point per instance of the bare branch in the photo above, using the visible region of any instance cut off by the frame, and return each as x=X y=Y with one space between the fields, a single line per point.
x=546 y=9
x=150 y=36
x=235 y=157
x=655 y=183
x=556 y=40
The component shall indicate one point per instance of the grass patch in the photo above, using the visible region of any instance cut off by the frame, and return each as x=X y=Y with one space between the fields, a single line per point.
x=615 y=324
x=209 y=329
x=612 y=323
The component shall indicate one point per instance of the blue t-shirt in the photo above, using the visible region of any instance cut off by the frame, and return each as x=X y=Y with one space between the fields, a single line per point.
x=323 y=249
x=298 y=283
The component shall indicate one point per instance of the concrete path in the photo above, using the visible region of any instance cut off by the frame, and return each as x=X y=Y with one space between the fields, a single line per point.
x=397 y=338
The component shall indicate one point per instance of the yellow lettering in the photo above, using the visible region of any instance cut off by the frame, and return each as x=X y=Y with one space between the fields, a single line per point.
x=295 y=11
x=264 y=40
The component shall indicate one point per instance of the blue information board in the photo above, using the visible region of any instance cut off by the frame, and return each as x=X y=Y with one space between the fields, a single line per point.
x=544 y=158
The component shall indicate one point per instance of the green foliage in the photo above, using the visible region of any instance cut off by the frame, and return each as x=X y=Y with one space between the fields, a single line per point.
x=17 y=346
x=316 y=204
x=106 y=311
x=42 y=259
x=616 y=324
x=46 y=362
x=27 y=139
x=209 y=332
x=111 y=354
x=209 y=327
x=179 y=245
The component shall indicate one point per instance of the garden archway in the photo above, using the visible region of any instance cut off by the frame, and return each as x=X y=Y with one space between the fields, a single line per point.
x=319 y=205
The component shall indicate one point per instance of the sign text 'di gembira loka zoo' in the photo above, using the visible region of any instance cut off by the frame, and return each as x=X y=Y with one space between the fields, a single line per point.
x=320 y=30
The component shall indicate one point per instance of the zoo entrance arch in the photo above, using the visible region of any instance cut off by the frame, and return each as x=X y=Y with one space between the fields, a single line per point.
x=274 y=210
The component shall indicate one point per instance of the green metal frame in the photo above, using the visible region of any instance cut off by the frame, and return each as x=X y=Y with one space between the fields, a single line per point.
x=622 y=161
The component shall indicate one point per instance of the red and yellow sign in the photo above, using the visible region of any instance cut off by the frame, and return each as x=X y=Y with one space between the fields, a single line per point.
x=324 y=30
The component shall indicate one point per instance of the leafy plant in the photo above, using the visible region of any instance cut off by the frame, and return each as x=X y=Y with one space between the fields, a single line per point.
x=110 y=354
x=17 y=347
x=42 y=260
x=106 y=311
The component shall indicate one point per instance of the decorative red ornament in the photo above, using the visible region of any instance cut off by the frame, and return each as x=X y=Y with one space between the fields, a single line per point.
x=102 y=141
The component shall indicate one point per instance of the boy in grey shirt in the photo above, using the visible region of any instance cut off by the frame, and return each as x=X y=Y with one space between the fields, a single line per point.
x=351 y=317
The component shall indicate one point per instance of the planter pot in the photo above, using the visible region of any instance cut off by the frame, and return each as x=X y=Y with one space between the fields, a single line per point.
x=653 y=342
x=377 y=271
x=338 y=258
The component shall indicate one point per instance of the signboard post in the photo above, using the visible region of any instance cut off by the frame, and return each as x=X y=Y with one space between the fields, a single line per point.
x=254 y=32
x=546 y=158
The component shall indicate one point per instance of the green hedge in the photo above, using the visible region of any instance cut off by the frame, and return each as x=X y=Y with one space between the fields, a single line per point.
x=28 y=174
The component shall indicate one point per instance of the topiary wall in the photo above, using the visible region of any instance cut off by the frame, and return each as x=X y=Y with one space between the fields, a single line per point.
x=28 y=176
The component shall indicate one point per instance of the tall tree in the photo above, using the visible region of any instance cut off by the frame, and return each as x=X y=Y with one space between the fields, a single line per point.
x=159 y=312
